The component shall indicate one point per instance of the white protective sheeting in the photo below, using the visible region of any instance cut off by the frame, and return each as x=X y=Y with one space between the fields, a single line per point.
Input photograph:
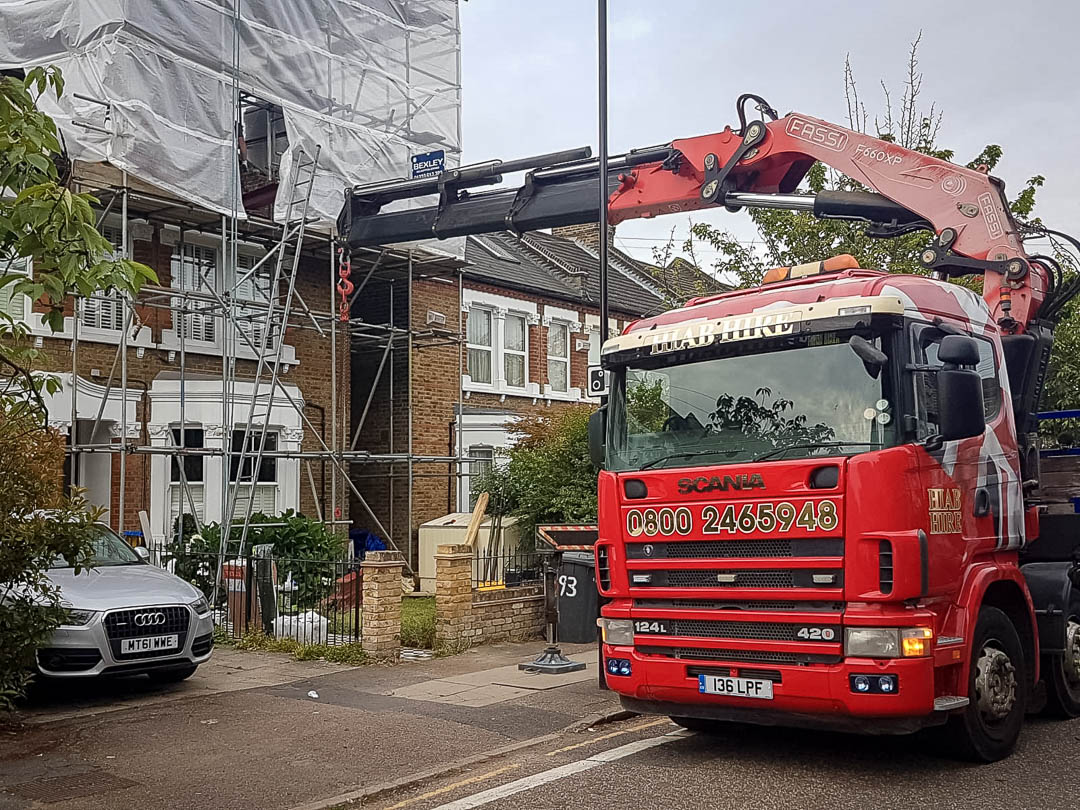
x=371 y=81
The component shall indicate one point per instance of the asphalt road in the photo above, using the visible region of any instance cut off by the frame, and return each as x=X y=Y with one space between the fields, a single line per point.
x=649 y=763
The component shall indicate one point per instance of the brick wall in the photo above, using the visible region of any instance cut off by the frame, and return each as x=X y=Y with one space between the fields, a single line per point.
x=464 y=617
x=435 y=396
x=312 y=376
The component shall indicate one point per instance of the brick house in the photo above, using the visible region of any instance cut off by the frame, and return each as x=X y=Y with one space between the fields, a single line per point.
x=527 y=311
x=177 y=333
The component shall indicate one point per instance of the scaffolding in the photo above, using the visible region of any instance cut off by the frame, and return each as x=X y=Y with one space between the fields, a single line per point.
x=336 y=444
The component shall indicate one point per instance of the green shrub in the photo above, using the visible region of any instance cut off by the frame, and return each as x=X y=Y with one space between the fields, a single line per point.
x=302 y=546
x=418 y=622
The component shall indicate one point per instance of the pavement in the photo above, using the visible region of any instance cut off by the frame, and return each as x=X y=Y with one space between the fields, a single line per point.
x=255 y=730
x=259 y=730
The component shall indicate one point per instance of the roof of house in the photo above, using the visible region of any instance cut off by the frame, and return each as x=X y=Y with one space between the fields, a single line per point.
x=498 y=259
x=569 y=269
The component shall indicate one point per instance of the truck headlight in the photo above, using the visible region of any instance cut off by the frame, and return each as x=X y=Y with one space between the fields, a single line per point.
x=78 y=618
x=617 y=631
x=872 y=642
x=888 y=642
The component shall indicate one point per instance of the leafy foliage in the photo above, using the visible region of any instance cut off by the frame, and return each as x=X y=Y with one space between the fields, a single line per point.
x=30 y=607
x=43 y=221
x=303 y=547
x=766 y=420
x=547 y=477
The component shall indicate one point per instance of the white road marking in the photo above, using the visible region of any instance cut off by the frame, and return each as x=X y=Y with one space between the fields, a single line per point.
x=563 y=771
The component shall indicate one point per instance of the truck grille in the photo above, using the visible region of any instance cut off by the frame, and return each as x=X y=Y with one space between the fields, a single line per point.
x=769 y=631
x=756 y=656
x=746 y=604
x=737 y=578
x=724 y=549
x=121 y=624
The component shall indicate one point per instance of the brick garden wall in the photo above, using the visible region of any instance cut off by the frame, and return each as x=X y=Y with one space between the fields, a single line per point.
x=465 y=617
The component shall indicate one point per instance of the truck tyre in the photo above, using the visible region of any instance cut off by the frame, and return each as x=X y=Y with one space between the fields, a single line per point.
x=698 y=724
x=1062 y=672
x=988 y=728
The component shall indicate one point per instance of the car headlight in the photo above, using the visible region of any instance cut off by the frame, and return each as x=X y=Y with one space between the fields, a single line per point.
x=617 y=631
x=78 y=618
x=888 y=642
x=201 y=606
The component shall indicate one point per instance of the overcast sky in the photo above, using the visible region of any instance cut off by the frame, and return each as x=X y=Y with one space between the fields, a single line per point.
x=1002 y=72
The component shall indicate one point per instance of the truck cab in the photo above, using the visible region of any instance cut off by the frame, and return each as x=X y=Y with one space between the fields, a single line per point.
x=811 y=501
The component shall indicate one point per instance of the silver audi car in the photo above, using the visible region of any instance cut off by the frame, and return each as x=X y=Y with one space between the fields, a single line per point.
x=126 y=617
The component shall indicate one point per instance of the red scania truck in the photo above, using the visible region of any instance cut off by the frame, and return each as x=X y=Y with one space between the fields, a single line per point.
x=819 y=502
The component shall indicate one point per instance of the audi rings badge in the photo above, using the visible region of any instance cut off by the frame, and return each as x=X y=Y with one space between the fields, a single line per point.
x=149 y=619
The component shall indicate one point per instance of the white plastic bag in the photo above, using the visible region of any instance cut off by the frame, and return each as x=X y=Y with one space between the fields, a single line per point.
x=307 y=628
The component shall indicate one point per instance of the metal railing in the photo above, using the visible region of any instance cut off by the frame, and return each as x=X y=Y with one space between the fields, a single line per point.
x=495 y=570
x=309 y=601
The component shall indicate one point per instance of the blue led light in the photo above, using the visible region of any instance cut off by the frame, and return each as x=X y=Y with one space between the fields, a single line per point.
x=613 y=666
x=862 y=683
x=885 y=684
x=624 y=668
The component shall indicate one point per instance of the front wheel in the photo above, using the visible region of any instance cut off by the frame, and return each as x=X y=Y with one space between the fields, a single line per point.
x=1062 y=674
x=988 y=728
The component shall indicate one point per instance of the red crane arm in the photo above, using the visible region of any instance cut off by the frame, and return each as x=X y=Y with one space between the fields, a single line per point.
x=967 y=209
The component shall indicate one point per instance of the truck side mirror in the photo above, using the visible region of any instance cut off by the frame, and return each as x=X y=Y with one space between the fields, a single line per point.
x=958 y=350
x=960 y=402
x=597 y=429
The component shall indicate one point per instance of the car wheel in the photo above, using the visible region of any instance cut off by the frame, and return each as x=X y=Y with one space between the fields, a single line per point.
x=173 y=674
x=699 y=724
x=1062 y=674
x=988 y=728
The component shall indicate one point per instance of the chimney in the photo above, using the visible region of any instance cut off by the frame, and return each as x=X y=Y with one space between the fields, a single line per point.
x=588 y=234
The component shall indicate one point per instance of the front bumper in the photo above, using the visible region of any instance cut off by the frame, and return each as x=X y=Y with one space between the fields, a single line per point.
x=812 y=695
x=86 y=651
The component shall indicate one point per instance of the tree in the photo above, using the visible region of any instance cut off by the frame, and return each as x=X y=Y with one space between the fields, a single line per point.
x=547 y=476
x=41 y=221
x=788 y=238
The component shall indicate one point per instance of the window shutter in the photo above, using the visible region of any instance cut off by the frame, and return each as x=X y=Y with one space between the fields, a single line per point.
x=190 y=264
x=12 y=303
x=179 y=503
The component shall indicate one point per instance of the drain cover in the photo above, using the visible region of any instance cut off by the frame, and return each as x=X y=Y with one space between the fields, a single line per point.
x=70 y=786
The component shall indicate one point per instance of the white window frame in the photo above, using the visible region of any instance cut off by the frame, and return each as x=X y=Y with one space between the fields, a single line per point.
x=251 y=253
x=478 y=463
x=102 y=314
x=564 y=360
x=257 y=289
x=178 y=501
x=179 y=319
x=8 y=296
x=479 y=347
x=572 y=321
x=522 y=353
x=501 y=307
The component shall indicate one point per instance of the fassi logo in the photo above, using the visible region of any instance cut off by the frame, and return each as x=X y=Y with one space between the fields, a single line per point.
x=722 y=483
x=816 y=132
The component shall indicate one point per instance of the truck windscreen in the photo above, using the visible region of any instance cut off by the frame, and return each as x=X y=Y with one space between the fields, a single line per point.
x=828 y=394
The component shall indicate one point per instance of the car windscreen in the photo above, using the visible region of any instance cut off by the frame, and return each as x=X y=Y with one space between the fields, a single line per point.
x=108 y=549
